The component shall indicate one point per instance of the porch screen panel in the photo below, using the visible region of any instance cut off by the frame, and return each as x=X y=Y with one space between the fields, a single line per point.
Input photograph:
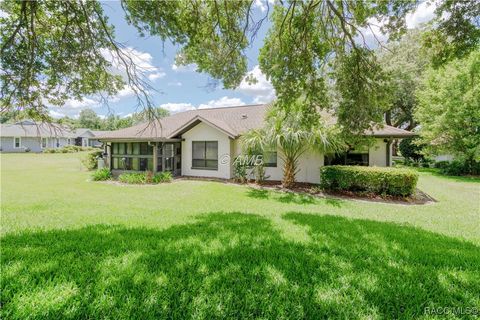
x=137 y=156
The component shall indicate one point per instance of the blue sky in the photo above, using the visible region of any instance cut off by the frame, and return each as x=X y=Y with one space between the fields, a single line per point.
x=180 y=87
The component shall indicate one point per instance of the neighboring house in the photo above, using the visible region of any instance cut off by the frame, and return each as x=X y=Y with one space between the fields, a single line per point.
x=85 y=137
x=444 y=157
x=27 y=136
x=205 y=142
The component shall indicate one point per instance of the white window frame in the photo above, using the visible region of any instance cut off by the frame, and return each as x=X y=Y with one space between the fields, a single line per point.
x=46 y=143
x=19 y=142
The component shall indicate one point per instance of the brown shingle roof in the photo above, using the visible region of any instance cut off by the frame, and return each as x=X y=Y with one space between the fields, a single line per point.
x=233 y=121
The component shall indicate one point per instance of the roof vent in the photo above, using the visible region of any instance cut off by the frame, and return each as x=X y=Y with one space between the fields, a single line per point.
x=244 y=116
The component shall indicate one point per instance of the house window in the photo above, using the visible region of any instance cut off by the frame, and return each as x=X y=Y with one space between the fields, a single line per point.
x=205 y=155
x=17 y=142
x=349 y=159
x=270 y=159
x=44 y=142
x=57 y=142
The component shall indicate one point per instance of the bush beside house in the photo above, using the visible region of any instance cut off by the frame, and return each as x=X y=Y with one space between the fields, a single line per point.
x=382 y=181
x=91 y=160
x=146 y=177
x=102 y=175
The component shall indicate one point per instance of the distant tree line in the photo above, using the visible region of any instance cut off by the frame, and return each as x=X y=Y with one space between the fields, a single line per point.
x=88 y=118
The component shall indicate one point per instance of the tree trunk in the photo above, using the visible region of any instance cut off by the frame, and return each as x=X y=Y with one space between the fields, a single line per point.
x=388 y=117
x=289 y=173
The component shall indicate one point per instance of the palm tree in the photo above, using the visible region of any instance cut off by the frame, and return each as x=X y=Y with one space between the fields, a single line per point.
x=294 y=133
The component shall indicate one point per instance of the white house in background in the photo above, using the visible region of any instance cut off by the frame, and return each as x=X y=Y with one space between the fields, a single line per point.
x=85 y=137
x=205 y=142
x=27 y=136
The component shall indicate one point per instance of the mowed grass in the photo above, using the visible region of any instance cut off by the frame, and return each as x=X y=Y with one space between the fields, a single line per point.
x=72 y=248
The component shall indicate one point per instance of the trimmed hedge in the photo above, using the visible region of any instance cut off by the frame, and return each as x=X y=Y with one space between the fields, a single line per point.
x=382 y=181
x=146 y=177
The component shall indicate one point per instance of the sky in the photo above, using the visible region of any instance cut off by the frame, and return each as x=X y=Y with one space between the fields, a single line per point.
x=181 y=88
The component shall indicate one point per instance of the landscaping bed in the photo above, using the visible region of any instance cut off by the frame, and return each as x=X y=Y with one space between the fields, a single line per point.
x=314 y=190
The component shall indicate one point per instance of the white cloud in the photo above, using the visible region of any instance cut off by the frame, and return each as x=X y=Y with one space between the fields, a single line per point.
x=187 y=68
x=262 y=4
x=177 y=107
x=262 y=91
x=124 y=93
x=424 y=13
x=222 y=103
x=55 y=114
x=143 y=60
x=175 y=84
x=3 y=14
x=156 y=75
x=372 y=35
x=80 y=104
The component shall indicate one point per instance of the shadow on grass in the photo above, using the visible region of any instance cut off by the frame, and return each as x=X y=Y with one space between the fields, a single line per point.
x=257 y=193
x=291 y=197
x=297 y=198
x=237 y=266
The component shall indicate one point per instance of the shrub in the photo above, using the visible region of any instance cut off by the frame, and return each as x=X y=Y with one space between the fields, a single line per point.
x=455 y=168
x=132 y=177
x=68 y=149
x=390 y=181
x=146 y=177
x=162 y=177
x=441 y=164
x=91 y=160
x=259 y=173
x=240 y=171
x=410 y=149
x=102 y=175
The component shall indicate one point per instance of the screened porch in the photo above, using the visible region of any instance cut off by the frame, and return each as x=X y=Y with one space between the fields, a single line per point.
x=143 y=156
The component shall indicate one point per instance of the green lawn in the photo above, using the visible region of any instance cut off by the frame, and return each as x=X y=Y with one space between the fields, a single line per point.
x=72 y=248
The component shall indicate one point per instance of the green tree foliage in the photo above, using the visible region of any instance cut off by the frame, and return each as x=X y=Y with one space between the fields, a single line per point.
x=457 y=32
x=363 y=98
x=404 y=61
x=143 y=116
x=411 y=148
x=449 y=108
x=52 y=50
x=211 y=34
x=89 y=119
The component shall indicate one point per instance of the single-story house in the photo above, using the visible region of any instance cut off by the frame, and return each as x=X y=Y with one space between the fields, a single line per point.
x=85 y=137
x=28 y=136
x=205 y=142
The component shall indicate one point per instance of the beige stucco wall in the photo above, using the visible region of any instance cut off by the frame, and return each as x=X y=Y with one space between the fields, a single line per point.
x=378 y=153
x=204 y=132
x=309 y=165
x=228 y=149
